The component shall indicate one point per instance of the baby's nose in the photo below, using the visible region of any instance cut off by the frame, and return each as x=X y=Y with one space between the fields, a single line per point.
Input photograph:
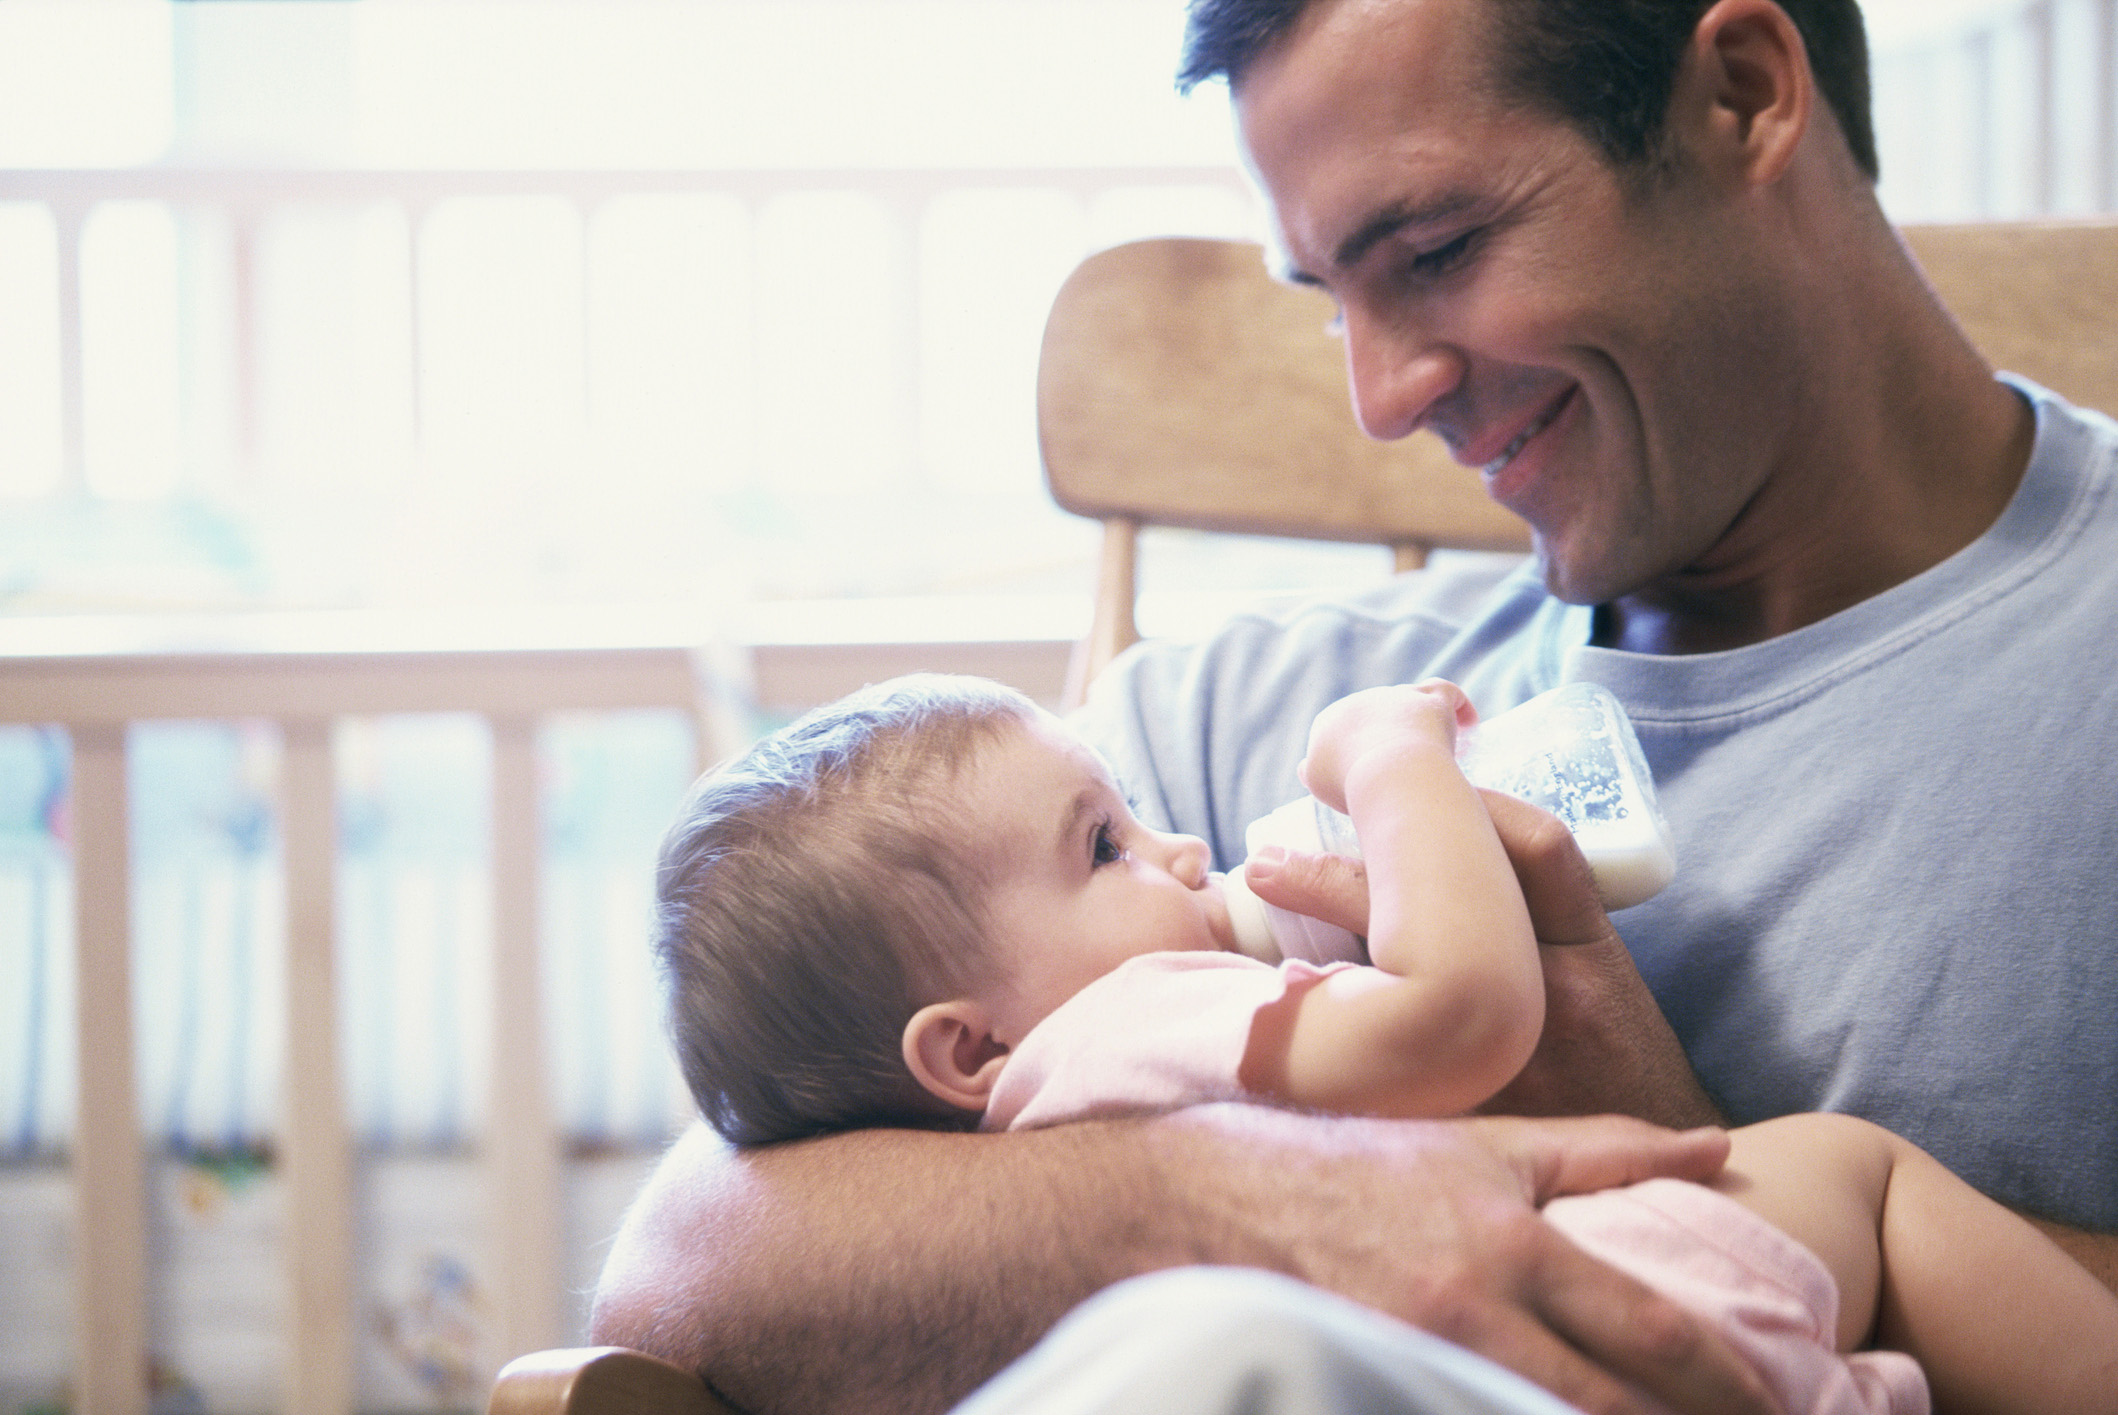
x=1189 y=860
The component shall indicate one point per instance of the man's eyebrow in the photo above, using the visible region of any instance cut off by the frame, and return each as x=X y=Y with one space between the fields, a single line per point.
x=1383 y=225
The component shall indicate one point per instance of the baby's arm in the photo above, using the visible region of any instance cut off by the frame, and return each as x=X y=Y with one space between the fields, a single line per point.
x=1454 y=1004
x=1997 y=1315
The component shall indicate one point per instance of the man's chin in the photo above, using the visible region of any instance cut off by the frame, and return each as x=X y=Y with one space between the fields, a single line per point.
x=1566 y=578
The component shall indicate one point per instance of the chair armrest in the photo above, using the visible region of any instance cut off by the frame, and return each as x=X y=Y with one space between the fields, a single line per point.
x=599 y=1380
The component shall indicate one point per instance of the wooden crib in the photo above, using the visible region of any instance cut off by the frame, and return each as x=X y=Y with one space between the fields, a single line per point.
x=305 y=673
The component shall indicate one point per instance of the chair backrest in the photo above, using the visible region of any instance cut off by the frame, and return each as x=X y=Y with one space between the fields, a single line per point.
x=2038 y=298
x=1180 y=385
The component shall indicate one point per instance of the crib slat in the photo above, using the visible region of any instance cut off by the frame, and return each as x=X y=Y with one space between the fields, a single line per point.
x=316 y=1163
x=521 y=1143
x=110 y=1240
x=2103 y=149
x=73 y=402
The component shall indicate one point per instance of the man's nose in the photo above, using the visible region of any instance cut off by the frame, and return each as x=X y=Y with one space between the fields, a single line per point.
x=1397 y=376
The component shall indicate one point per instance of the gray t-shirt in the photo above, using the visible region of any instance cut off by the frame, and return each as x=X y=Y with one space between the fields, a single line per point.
x=1897 y=829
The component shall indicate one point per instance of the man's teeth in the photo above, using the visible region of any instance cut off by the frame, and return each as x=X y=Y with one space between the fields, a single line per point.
x=1507 y=454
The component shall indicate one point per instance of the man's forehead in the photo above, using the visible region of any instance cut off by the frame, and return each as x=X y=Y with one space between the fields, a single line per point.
x=1356 y=122
x=1350 y=149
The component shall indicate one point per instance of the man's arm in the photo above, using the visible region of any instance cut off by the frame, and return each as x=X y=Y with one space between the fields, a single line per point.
x=893 y=1270
x=1606 y=1048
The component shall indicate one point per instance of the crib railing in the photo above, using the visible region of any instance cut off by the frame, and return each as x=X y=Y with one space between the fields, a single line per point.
x=305 y=673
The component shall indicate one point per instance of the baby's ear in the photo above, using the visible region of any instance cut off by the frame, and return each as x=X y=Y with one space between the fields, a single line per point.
x=951 y=1050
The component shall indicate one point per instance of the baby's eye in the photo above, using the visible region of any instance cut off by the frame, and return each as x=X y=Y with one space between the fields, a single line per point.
x=1104 y=849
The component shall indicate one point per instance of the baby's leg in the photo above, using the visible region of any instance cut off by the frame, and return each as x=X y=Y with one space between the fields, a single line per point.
x=1997 y=1315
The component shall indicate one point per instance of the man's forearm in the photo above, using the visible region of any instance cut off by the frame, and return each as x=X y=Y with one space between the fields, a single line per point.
x=890 y=1270
x=878 y=1270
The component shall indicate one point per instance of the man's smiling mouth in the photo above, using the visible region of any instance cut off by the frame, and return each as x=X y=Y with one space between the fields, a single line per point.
x=1537 y=424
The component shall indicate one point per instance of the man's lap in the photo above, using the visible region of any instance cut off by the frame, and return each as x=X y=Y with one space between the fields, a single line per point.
x=1218 y=1341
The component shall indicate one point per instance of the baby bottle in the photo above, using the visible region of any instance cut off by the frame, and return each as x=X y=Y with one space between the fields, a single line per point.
x=1571 y=751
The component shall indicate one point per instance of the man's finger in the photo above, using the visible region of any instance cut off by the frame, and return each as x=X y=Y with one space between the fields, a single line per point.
x=1556 y=881
x=1510 y=1337
x=1581 y=1156
x=1625 y=1328
x=1333 y=888
x=1592 y=1335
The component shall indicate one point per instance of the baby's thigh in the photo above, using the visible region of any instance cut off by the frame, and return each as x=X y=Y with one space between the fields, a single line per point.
x=1820 y=1179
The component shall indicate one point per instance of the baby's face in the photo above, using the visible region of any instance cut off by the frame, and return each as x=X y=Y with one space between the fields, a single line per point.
x=1079 y=885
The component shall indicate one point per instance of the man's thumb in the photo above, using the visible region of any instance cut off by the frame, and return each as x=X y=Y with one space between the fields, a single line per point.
x=1333 y=888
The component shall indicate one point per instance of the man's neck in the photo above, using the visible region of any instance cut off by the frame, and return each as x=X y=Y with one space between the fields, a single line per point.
x=1925 y=452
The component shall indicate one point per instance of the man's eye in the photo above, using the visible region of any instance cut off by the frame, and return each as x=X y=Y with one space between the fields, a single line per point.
x=1104 y=849
x=1442 y=258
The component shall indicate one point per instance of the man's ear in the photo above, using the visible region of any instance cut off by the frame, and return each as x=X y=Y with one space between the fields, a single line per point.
x=952 y=1051
x=1745 y=88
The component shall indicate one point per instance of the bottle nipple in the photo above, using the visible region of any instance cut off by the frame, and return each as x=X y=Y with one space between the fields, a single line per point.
x=1247 y=918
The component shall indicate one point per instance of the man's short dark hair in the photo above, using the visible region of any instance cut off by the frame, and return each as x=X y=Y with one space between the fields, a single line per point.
x=1607 y=67
x=811 y=897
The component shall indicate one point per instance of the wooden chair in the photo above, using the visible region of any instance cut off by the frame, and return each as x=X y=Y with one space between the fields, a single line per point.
x=599 y=1380
x=1181 y=386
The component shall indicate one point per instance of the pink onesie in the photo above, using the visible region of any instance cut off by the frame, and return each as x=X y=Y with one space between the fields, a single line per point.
x=1169 y=1029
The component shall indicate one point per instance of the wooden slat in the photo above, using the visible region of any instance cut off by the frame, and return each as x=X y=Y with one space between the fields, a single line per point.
x=315 y=1160
x=126 y=688
x=110 y=1310
x=73 y=401
x=131 y=687
x=1114 y=629
x=2103 y=106
x=521 y=1142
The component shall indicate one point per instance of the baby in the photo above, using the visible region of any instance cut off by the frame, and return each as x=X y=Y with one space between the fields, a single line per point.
x=928 y=904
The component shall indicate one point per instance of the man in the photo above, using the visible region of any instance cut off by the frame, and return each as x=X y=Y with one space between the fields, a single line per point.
x=1627 y=258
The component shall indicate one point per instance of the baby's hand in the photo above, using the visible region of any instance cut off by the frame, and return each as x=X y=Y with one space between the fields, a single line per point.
x=1381 y=722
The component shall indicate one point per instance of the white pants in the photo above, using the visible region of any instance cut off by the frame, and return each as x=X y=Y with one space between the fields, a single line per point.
x=1236 y=1341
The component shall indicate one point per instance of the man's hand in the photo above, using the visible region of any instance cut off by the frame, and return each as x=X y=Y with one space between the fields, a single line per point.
x=1435 y=1222
x=1606 y=1047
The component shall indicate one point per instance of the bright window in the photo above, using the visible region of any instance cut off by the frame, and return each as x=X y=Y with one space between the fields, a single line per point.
x=409 y=303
